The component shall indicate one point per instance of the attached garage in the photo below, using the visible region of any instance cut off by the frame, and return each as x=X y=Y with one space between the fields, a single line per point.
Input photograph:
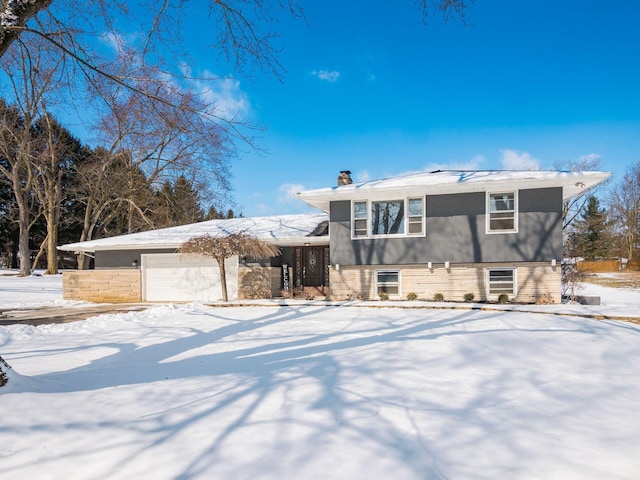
x=146 y=266
x=171 y=277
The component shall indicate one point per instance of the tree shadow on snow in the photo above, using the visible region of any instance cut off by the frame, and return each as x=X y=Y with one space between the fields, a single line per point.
x=276 y=367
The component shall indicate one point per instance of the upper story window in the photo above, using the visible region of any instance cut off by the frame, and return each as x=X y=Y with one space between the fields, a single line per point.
x=388 y=218
x=416 y=215
x=360 y=219
x=502 y=212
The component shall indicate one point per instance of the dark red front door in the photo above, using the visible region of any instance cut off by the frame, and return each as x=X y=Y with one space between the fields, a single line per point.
x=310 y=267
x=313 y=266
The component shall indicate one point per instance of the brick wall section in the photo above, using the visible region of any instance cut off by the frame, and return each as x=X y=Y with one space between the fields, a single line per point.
x=534 y=281
x=107 y=286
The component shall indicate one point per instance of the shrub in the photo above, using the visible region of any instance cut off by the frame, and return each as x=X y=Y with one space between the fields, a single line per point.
x=503 y=298
x=383 y=296
x=544 y=299
x=438 y=297
x=468 y=297
x=412 y=296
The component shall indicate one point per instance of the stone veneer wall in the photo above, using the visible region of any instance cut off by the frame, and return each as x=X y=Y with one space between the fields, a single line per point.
x=534 y=280
x=108 y=285
x=258 y=282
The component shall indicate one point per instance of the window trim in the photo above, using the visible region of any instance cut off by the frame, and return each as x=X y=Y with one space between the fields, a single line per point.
x=514 y=289
x=354 y=219
x=377 y=283
x=369 y=226
x=422 y=217
x=488 y=212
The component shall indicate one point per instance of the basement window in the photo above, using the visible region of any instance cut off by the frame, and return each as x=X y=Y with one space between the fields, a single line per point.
x=501 y=280
x=388 y=281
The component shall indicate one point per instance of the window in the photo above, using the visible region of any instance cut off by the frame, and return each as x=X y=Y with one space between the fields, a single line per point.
x=388 y=217
x=388 y=281
x=360 y=219
x=502 y=280
x=416 y=215
x=502 y=212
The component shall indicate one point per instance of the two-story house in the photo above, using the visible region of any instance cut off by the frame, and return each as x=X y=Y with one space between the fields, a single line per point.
x=451 y=233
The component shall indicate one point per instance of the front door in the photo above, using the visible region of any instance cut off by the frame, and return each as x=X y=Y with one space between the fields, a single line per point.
x=313 y=266
x=310 y=266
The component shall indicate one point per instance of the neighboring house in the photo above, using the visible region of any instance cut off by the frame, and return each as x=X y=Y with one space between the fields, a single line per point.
x=448 y=232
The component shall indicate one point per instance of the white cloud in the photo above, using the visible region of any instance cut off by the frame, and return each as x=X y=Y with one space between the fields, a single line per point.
x=225 y=94
x=286 y=192
x=515 y=160
x=329 y=76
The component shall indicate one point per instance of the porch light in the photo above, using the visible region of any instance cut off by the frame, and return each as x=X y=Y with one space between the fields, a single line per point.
x=553 y=262
x=134 y=264
x=430 y=265
x=446 y=265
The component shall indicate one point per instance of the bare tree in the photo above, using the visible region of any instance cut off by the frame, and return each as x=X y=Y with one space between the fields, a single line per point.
x=29 y=144
x=16 y=148
x=225 y=247
x=571 y=208
x=145 y=142
x=240 y=28
x=55 y=147
x=625 y=204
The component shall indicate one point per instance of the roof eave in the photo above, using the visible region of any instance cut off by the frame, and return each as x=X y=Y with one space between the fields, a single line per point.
x=573 y=184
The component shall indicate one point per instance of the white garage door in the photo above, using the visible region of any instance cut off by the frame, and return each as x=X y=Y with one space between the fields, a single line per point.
x=171 y=277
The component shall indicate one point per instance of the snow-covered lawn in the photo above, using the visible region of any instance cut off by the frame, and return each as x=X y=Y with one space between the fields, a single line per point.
x=309 y=392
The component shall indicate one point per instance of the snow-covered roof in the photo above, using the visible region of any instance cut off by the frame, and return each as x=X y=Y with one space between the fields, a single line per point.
x=282 y=230
x=455 y=181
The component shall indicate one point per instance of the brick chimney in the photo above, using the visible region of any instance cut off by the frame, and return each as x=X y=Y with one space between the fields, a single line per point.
x=344 y=178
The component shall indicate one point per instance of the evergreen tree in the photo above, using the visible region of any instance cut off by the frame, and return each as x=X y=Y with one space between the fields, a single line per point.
x=591 y=237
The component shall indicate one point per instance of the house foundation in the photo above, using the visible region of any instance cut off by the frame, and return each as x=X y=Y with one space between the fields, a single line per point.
x=533 y=281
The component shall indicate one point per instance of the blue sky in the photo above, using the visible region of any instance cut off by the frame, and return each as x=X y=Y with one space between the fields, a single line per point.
x=374 y=90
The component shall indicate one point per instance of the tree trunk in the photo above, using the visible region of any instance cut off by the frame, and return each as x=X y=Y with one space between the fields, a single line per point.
x=53 y=199
x=223 y=279
x=15 y=15
x=52 y=251
x=23 y=243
